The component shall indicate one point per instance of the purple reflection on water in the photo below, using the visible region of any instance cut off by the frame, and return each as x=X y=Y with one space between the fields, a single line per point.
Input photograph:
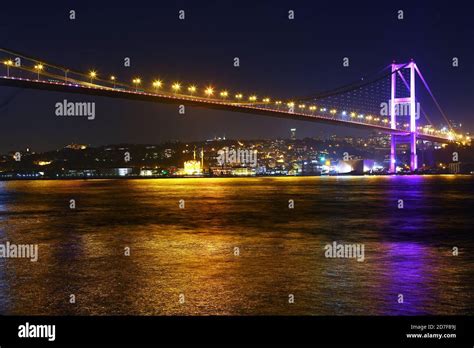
x=408 y=274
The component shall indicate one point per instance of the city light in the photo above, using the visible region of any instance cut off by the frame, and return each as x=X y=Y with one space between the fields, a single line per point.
x=112 y=78
x=253 y=98
x=224 y=94
x=239 y=96
x=192 y=89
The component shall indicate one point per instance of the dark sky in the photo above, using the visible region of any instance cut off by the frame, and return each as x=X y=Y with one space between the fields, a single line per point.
x=279 y=57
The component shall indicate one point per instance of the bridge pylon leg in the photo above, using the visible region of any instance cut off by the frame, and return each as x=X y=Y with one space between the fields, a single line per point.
x=393 y=153
x=413 y=156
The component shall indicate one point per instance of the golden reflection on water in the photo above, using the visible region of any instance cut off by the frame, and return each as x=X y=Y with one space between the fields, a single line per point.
x=192 y=251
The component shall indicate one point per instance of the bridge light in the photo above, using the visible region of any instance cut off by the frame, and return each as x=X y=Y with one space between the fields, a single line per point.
x=136 y=82
x=92 y=75
x=8 y=63
x=176 y=87
x=290 y=104
x=353 y=114
x=253 y=98
x=224 y=94
x=38 y=68
x=266 y=100
x=278 y=102
x=112 y=78
x=239 y=96
x=192 y=89
x=333 y=111
x=209 y=91
x=301 y=106
x=344 y=113
x=157 y=84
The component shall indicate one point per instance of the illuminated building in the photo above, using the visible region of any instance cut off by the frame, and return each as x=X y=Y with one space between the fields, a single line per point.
x=76 y=147
x=194 y=167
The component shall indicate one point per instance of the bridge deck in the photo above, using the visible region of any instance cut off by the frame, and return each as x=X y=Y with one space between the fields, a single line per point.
x=91 y=89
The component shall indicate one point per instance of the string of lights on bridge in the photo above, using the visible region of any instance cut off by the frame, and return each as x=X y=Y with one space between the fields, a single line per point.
x=210 y=93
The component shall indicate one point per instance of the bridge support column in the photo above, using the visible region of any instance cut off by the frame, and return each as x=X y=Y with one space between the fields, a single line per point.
x=393 y=153
x=413 y=156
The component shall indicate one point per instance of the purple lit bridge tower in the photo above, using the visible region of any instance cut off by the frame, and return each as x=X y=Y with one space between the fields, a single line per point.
x=394 y=112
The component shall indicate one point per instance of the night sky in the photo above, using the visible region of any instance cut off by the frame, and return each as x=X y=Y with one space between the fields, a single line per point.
x=278 y=57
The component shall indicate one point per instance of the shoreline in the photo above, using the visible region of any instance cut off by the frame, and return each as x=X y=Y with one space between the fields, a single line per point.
x=226 y=177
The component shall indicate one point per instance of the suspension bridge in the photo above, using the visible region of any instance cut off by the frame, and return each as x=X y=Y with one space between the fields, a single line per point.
x=356 y=105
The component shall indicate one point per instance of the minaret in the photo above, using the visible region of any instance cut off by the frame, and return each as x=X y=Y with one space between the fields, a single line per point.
x=202 y=158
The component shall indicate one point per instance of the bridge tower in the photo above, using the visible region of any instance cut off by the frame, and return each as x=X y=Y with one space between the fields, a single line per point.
x=394 y=106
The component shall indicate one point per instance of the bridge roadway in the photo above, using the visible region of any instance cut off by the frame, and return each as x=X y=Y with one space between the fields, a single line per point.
x=97 y=90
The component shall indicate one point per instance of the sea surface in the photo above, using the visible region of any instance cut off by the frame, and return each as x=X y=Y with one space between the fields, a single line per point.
x=233 y=246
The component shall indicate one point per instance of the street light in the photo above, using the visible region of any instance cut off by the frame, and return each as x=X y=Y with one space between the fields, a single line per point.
x=253 y=98
x=176 y=87
x=157 y=84
x=224 y=94
x=38 y=68
x=209 y=91
x=112 y=78
x=239 y=96
x=136 y=82
x=192 y=89
x=92 y=75
x=8 y=64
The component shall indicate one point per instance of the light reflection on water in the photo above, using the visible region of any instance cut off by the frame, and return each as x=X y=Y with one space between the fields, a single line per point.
x=191 y=251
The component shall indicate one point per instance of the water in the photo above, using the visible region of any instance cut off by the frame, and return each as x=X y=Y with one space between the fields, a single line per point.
x=191 y=251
